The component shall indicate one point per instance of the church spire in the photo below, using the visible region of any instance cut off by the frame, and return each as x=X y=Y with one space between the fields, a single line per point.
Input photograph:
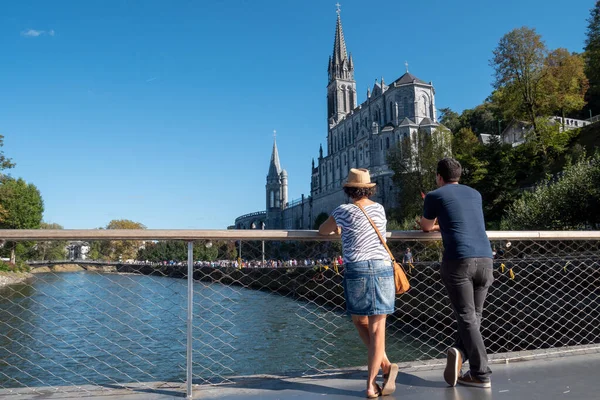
x=274 y=166
x=340 y=67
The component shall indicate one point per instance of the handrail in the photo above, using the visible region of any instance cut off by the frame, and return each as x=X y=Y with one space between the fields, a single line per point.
x=244 y=234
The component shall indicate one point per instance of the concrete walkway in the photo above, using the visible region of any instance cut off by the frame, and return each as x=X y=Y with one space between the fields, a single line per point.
x=572 y=377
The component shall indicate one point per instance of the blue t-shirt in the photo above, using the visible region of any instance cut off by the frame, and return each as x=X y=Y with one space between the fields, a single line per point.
x=460 y=216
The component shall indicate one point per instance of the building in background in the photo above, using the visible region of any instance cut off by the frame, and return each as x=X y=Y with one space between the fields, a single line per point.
x=358 y=136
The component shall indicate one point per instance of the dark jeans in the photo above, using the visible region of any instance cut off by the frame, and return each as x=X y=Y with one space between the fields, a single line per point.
x=467 y=282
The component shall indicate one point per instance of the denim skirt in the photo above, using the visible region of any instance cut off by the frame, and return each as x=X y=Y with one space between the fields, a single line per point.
x=369 y=287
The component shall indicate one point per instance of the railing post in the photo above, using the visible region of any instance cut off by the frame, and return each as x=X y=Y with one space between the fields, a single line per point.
x=190 y=315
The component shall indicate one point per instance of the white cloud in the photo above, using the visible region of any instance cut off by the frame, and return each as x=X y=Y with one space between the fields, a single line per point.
x=36 y=33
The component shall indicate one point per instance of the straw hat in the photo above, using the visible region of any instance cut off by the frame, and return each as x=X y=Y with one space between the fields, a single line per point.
x=359 y=178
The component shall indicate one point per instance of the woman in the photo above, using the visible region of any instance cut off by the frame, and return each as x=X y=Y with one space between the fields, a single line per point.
x=369 y=277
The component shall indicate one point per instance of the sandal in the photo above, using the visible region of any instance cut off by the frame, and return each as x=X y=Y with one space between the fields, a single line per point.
x=389 y=381
x=376 y=394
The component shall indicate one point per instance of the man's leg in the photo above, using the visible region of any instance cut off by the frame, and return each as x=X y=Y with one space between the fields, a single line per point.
x=457 y=277
x=456 y=354
x=482 y=280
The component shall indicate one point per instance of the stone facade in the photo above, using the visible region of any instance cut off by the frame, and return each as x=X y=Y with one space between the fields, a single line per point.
x=359 y=136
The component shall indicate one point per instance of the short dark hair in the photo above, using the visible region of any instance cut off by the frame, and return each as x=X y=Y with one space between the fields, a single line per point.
x=359 y=193
x=449 y=169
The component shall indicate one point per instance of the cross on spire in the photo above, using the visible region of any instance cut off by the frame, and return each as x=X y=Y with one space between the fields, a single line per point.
x=339 y=9
x=406 y=63
x=274 y=134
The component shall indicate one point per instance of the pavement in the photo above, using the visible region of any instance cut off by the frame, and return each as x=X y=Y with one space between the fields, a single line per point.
x=559 y=377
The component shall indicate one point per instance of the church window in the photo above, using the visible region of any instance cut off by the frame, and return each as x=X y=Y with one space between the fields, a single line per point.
x=345 y=100
x=352 y=155
x=391 y=111
x=387 y=142
x=272 y=199
x=406 y=107
x=380 y=144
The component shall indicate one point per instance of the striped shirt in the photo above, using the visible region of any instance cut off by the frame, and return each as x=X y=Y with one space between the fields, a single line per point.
x=359 y=240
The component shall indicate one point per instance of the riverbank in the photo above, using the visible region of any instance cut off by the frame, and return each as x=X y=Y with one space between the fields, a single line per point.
x=11 y=278
x=74 y=268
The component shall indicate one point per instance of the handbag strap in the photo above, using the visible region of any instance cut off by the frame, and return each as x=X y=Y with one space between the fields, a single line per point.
x=378 y=233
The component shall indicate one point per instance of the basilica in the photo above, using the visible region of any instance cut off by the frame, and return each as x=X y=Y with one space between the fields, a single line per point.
x=359 y=136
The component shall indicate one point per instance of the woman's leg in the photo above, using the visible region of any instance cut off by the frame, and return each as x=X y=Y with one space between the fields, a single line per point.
x=376 y=348
x=361 y=322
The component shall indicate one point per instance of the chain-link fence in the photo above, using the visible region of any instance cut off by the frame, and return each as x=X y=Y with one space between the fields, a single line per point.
x=268 y=306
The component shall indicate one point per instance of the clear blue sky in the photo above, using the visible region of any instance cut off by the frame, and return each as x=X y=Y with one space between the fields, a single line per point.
x=163 y=111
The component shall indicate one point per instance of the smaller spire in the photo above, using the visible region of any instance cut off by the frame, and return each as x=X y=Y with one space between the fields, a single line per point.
x=382 y=83
x=320 y=150
x=274 y=166
x=368 y=92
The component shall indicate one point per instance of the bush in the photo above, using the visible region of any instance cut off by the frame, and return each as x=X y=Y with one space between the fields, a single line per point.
x=10 y=267
x=571 y=202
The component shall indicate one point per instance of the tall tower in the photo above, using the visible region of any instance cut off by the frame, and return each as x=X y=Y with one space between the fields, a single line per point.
x=276 y=191
x=341 y=90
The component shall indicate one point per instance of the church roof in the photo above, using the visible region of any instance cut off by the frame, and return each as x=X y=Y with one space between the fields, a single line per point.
x=406 y=121
x=427 y=121
x=274 y=166
x=409 y=78
x=379 y=88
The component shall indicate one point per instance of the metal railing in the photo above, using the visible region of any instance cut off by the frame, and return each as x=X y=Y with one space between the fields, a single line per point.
x=234 y=314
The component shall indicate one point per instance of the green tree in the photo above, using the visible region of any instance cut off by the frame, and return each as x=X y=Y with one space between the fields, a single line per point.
x=564 y=83
x=450 y=119
x=481 y=119
x=53 y=250
x=118 y=250
x=518 y=63
x=572 y=202
x=322 y=217
x=414 y=162
x=466 y=150
x=498 y=187
x=592 y=58
x=5 y=162
x=22 y=207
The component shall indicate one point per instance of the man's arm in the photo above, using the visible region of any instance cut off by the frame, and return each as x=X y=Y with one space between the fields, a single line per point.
x=328 y=227
x=429 y=209
x=429 y=225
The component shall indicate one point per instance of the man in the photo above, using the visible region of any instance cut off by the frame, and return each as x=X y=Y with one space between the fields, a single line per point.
x=408 y=257
x=466 y=269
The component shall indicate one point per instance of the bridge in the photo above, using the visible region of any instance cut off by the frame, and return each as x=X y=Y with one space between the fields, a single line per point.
x=542 y=307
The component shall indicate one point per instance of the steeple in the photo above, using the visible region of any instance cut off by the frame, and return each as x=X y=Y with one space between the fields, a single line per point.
x=274 y=166
x=340 y=66
x=341 y=90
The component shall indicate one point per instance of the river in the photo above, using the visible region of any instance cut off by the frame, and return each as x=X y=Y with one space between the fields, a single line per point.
x=91 y=328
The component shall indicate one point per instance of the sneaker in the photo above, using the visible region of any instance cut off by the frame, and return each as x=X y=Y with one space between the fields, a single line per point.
x=468 y=380
x=453 y=366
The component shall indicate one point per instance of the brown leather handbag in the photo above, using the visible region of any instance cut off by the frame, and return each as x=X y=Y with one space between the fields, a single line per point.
x=400 y=278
